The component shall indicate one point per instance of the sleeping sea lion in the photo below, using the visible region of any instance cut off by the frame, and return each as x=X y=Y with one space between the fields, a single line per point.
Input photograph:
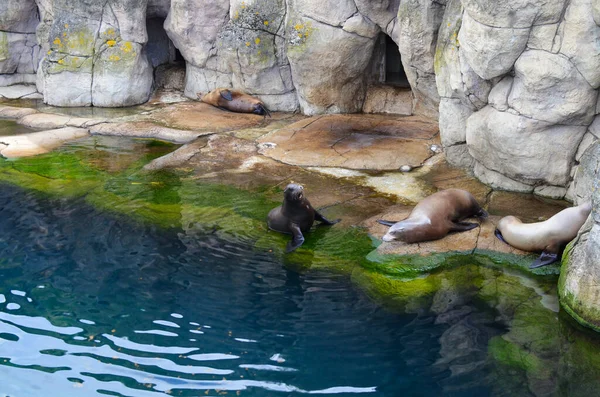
x=295 y=216
x=435 y=216
x=236 y=101
x=549 y=236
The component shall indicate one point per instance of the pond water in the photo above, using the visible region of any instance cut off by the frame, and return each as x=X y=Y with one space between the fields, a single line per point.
x=116 y=282
x=9 y=127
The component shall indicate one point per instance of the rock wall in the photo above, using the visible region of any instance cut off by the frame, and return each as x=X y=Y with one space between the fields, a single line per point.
x=519 y=90
x=94 y=53
x=307 y=55
x=19 y=51
x=579 y=284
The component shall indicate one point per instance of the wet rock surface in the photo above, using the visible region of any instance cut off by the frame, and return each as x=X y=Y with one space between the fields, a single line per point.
x=349 y=164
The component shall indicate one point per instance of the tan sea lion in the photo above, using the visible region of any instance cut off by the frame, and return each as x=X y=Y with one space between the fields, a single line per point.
x=295 y=216
x=435 y=216
x=549 y=236
x=235 y=101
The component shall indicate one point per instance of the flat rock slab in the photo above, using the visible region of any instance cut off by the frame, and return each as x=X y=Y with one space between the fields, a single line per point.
x=146 y=130
x=202 y=117
x=480 y=238
x=11 y=112
x=51 y=121
x=17 y=91
x=360 y=142
x=38 y=142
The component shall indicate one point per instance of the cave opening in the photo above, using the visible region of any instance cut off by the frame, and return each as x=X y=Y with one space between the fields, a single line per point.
x=388 y=88
x=394 y=72
x=165 y=58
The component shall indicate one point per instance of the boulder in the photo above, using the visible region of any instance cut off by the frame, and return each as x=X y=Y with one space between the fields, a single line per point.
x=96 y=49
x=520 y=148
x=18 y=16
x=581 y=40
x=327 y=81
x=549 y=87
x=579 y=282
x=491 y=51
x=516 y=13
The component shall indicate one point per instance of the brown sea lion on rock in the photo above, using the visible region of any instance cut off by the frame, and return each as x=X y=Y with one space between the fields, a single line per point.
x=295 y=216
x=549 y=236
x=235 y=101
x=435 y=216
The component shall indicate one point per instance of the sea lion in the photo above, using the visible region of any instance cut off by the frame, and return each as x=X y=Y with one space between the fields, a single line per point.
x=435 y=216
x=236 y=101
x=295 y=216
x=549 y=236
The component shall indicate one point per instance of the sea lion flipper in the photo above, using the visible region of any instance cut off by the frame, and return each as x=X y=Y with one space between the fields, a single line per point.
x=462 y=226
x=546 y=258
x=319 y=217
x=386 y=223
x=482 y=214
x=297 y=238
x=226 y=94
x=498 y=234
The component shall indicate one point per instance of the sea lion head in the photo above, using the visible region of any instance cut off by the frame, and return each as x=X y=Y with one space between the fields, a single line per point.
x=293 y=192
x=397 y=231
x=506 y=222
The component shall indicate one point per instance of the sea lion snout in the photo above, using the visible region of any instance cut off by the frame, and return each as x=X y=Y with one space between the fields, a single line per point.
x=395 y=232
x=294 y=192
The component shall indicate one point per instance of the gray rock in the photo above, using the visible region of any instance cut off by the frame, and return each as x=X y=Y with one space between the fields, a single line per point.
x=587 y=141
x=416 y=34
x=361 y=26
x=548 y=87
x=19 y=16
x=587 y=173
x=498 y=97
x=17 y=78
x=334 y=14
x=382 y=12
x=581 y=40
x=17 y=91
x=516 y=13
x=388 y=99
x=499 y=181
x=595 y=127
x=491 y=51
x=542 y=37
x=194 y=26
x=122 y=76
x=553 y=192
x=453 y=121
x=459 y=156
x=525 y=150
x=327 y=81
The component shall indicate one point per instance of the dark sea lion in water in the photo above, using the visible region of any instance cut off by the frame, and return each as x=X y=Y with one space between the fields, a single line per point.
x=235 y=101
x=550 y=236
x=435 y=216
x=295 y=216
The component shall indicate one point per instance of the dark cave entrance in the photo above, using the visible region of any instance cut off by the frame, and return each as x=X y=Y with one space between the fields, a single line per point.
x=387 y=64
x=167 y=61
x=394 y=72
x=388 y=88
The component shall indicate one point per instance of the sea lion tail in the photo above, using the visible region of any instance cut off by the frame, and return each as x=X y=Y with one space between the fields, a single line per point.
x=386 y=223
